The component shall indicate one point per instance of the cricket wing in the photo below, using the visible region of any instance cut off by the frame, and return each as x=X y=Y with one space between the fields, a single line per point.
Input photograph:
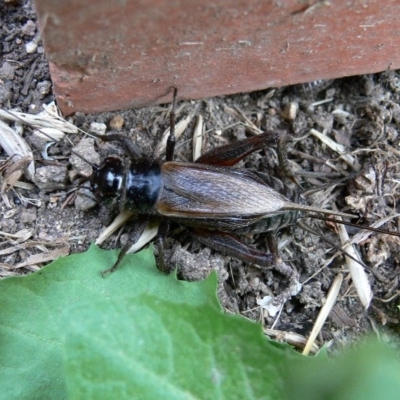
x=204 y=191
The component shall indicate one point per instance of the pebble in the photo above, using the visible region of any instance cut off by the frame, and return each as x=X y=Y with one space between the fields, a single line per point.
x=86 y=148
x=7 y=71
x=50 y=177
x=28 y=215
x=85 y=200
x=30 y=47
x=43 y=88
x=290 y=111
x=98 y=127
x=117 y=122
x=29 y=28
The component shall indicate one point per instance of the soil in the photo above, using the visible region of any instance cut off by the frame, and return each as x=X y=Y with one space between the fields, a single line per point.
x=361 y=113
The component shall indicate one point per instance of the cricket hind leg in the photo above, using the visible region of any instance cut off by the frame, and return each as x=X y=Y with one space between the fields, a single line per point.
x=230 y=154
x=230 y=245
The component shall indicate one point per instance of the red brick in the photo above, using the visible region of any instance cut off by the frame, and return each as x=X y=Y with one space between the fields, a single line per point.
x=108 y=55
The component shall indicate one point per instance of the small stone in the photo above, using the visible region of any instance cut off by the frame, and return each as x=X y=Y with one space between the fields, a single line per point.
x=9 y=225
x=29 y=28
x=85 y=148
x=31 y=47
x=117 y=122
x=43 y=88
x=290 y=111
x=28 y=215
x=98 y=127
x=7 y=71
x=5 y=92
x=51 y=177
x=85 y=199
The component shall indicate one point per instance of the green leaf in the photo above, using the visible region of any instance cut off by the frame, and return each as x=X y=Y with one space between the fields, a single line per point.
x=66 y=332
x=147 y=348
x=369 y=372
x=31 y=308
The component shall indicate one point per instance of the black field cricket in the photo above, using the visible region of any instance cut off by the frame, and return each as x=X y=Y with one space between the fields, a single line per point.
x=220 y=204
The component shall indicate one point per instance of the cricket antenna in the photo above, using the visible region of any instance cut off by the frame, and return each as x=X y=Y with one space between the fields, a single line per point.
x=365 y=227
x=308 y=228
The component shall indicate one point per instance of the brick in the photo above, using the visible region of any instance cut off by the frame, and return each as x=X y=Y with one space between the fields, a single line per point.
x=109 y=55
